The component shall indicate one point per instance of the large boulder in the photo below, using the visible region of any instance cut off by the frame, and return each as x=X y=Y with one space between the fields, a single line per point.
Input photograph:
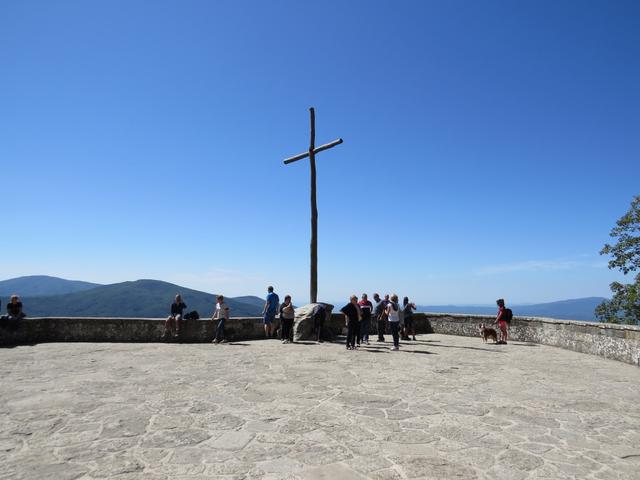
x=303 y=323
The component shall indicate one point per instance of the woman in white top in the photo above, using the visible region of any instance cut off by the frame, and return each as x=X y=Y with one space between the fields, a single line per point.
x=221 y=314
x=393 y=314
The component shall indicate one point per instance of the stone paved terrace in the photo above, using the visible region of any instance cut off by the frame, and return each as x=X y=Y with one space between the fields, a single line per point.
x=443 y=407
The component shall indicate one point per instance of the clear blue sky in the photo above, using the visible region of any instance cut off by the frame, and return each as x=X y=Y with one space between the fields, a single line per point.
x=488 y=149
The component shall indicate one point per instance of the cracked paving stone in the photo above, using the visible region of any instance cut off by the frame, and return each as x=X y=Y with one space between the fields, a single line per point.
x=174 y=438
x=520 y=460
x=433 y=468
x=332 y=472
x=231 y=440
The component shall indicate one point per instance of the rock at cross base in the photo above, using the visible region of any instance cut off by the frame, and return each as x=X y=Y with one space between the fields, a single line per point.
x=303 y=323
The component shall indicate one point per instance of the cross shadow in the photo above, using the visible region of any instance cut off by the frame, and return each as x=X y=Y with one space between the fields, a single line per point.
x=524 y=344
x=471 y=348
x=383 y=348
x=238 y=344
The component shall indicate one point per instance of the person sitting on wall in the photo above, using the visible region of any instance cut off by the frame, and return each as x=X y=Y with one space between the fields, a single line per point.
x=175 y=318
x=14 y=312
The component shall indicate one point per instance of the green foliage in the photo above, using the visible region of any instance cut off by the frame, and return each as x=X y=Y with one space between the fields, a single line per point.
x=624 y=307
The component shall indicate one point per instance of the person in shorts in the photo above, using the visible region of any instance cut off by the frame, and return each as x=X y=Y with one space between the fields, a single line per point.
x=269 y=311
x=173 y=324
x=502 y=322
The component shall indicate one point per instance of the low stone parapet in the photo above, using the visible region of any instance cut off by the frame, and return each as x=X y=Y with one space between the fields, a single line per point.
x=616 y=342
x=112 y=329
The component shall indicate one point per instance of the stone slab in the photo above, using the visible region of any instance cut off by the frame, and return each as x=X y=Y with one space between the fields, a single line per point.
x=441 y=407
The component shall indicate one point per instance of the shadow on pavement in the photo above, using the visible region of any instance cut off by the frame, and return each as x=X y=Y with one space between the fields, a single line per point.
x=424 y=352
x=471 y=348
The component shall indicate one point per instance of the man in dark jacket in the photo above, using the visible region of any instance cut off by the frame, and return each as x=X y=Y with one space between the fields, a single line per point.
x=380 y=315
x=351 y=313
x=177 y=308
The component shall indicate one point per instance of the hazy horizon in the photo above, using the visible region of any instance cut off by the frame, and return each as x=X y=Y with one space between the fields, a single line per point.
x=334 y=301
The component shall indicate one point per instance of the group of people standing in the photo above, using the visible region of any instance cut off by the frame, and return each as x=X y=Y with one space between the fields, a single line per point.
x=387 y=311
x=388 y=314
x=272 y=307
x=359 y=315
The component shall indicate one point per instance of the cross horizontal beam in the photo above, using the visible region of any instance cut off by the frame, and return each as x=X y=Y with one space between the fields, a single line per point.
x=315 y=150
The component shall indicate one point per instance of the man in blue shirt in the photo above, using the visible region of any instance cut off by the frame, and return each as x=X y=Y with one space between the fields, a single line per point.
x=269 y=311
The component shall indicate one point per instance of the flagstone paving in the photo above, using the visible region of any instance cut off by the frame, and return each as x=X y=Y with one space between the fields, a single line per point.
x=442 y=407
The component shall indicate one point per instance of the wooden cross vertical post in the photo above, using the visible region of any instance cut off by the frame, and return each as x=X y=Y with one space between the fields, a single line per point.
x=313 y=284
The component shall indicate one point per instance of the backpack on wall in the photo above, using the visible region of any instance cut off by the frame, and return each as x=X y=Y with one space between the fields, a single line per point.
x=192 y=316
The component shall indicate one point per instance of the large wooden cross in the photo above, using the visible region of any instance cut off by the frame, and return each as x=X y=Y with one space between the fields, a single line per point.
x=314 y=206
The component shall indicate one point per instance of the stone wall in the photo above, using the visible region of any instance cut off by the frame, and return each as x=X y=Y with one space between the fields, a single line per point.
x=616 y=342
x=94 y=329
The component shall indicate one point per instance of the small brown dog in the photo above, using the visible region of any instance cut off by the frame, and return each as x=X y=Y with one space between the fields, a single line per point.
x=487 y=333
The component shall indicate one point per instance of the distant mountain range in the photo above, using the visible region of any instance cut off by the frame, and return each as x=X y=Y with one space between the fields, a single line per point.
x=38 y=285
x=45 y=296
x=50 y=296
x=576 y=309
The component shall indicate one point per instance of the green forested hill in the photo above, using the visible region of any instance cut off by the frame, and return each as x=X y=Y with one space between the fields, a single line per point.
x=140 y=298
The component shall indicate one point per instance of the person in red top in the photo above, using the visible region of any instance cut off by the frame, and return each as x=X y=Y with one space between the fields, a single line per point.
x=366 y=307
x=502 y=323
